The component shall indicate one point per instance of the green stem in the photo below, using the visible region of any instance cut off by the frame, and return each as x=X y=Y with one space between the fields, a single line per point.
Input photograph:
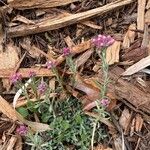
x=55 y=71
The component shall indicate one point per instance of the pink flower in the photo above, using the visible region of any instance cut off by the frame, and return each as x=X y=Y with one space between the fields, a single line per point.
x=15 y=78
x=32 y=74
x=102 y=41
x=66 y=51
x=50 y=64
x=22 y=130
x=42 y=87
x=105 y=102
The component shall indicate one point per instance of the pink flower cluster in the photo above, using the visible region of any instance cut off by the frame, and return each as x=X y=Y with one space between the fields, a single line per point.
x=32 y=74
x=22 y=130
x=66 y=51
x=15 y=78
x=42 y=87
x=50 y=64
x=102 y=41
x=105 y=102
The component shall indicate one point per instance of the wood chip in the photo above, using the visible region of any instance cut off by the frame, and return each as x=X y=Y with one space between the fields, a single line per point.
x=92 y=25
x=9 y=58
x=11 y=143
x=141 y=13
x=138 y=123
x=6 y=109
x=28 y=4
x=23 y=20
x=129 y=36
x=40 y=72
x=147 y=16
x=83 y=58
x=47 y=24
x=125 y=119
x=148 y=4
x=112 y=53
x=143 y=63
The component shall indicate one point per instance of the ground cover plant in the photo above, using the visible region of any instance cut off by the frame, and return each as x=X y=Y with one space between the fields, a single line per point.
x=74 y=75
x=70 y=125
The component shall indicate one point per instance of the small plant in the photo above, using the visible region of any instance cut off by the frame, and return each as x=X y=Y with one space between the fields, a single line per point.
x=69 y=61
x=101 y=43
x=71 y=127
x=52 y=65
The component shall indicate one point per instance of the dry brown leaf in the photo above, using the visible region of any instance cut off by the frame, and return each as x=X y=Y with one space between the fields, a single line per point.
x=141 y=13
x=138 y=123
x=129 y=36
x=137 y=66
x=23 y=20
x=112 y=53
x=125 y=118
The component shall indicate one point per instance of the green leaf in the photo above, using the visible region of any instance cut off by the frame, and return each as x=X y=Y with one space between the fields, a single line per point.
x=23 y=111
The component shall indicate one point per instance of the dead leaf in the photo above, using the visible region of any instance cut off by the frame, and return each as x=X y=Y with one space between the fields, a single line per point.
x=112 y=53
x=143 y=63
x=129 y=36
